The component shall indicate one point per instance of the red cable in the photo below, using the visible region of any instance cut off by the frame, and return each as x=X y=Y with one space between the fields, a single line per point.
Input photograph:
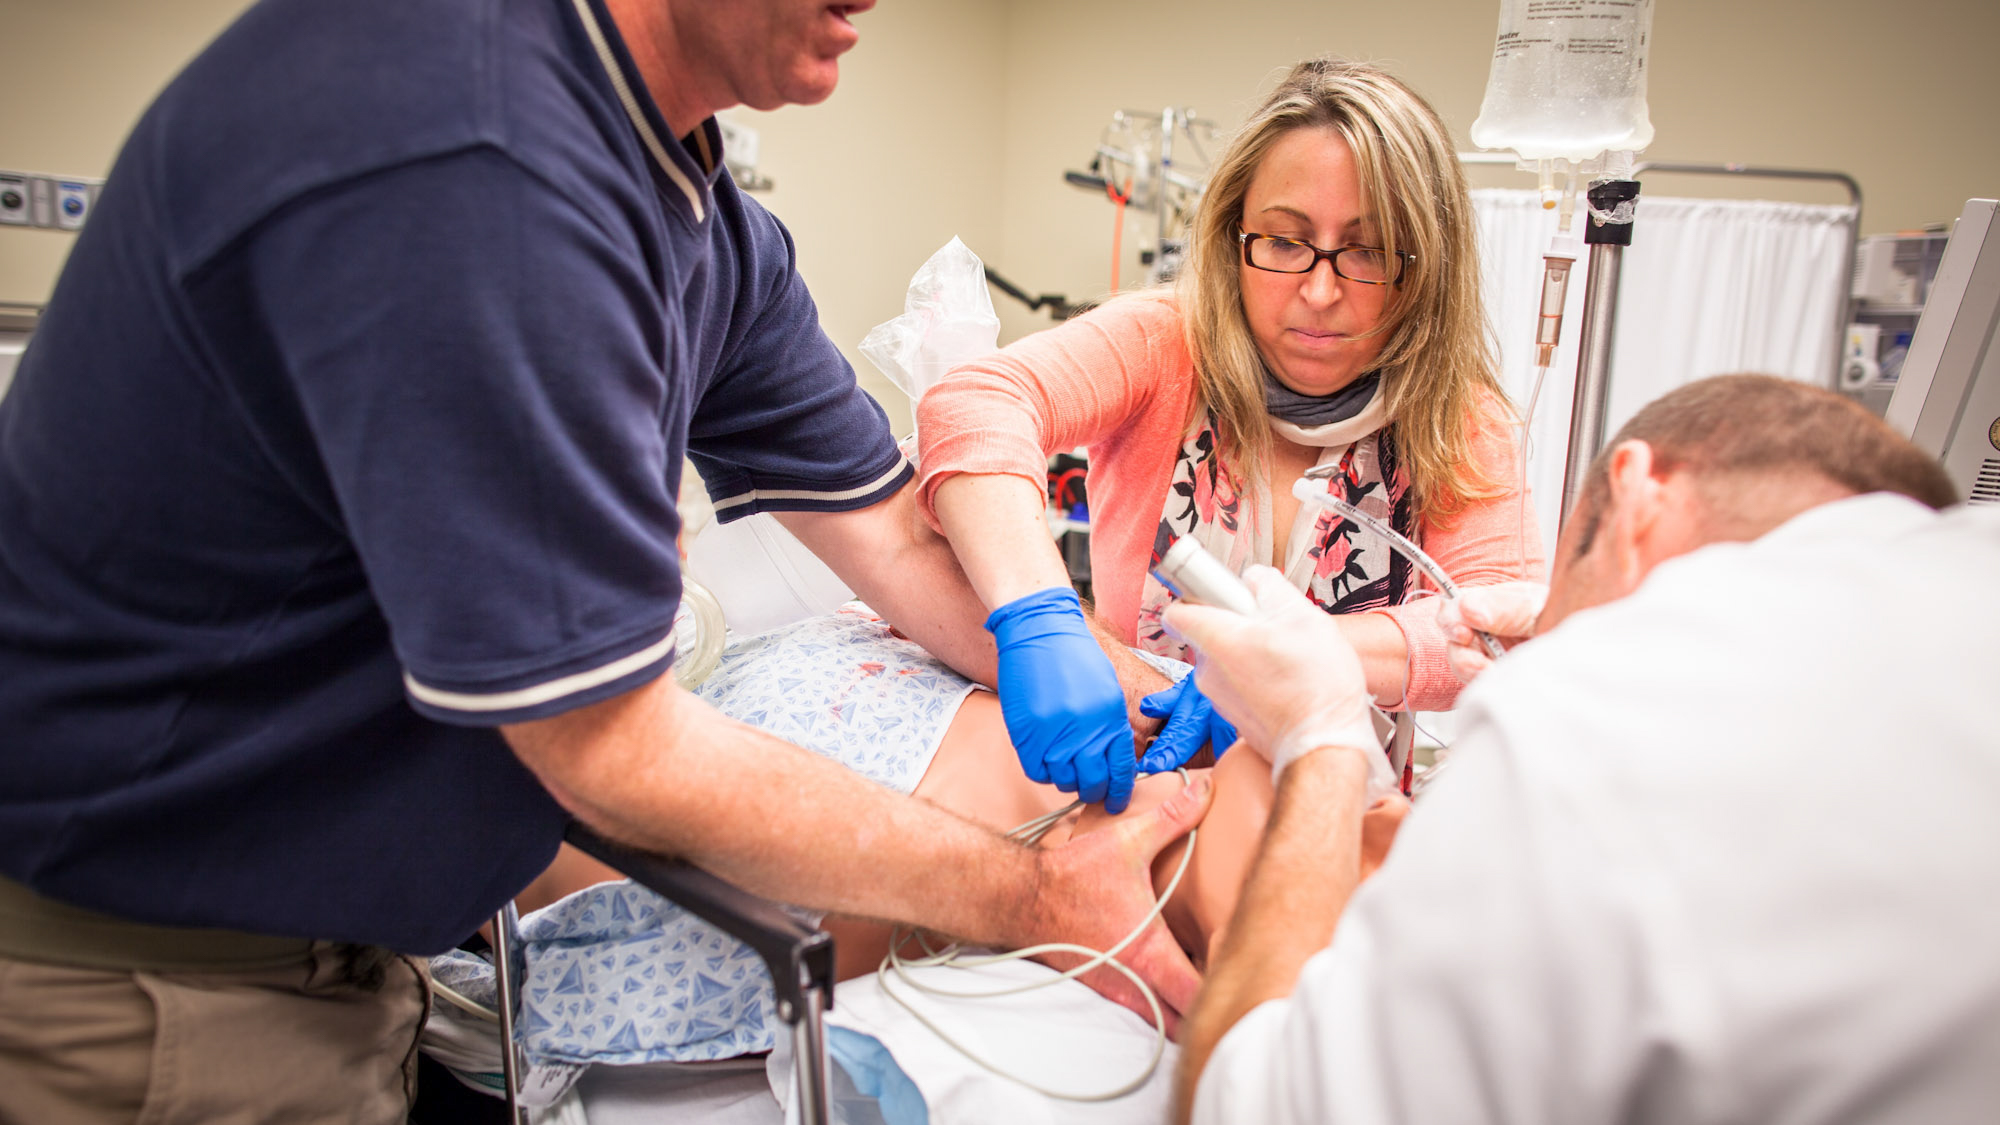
x=1118 y=201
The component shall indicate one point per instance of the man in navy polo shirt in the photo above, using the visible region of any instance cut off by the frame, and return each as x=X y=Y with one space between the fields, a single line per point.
x=337 y=547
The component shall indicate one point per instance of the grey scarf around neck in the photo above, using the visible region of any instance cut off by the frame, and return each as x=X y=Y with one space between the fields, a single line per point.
x=1286 y=404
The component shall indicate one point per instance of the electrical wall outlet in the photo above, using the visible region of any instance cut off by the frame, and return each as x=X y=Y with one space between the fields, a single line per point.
x=57 y=203
x=13 y=199
x=72 y=204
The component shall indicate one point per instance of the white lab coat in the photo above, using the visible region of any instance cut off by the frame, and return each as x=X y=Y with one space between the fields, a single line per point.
x=1727 y=850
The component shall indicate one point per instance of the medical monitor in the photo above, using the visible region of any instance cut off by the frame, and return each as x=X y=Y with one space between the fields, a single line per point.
x=1947 y=399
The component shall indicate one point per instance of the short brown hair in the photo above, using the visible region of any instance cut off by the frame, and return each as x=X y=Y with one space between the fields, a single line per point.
x=1762 y=423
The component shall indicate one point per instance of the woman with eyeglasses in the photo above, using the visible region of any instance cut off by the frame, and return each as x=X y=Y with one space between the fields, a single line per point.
x=1329 y=314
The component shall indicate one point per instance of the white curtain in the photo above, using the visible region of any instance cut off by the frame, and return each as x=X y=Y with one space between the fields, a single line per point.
x=1708 y=286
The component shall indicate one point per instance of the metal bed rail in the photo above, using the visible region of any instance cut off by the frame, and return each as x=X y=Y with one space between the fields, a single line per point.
x=799 y=957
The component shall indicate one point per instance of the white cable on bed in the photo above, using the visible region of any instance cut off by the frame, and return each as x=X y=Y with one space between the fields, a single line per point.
x=955 y=958
x=464 y=1003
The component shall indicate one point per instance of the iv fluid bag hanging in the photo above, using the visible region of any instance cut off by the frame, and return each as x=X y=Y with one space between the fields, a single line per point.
x=1568 y=79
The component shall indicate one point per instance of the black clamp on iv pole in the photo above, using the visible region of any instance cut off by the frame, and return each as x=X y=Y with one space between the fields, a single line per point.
x=1607 y=233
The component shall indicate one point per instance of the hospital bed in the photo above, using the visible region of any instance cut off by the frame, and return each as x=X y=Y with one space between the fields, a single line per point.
x=872 y=1061
x=799 y=958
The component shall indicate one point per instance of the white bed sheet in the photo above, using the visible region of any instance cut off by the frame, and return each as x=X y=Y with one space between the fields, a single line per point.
x=1063 y=1037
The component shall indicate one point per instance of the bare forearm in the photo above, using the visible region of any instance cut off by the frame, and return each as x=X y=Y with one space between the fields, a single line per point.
x=996 y=528
x=1384 y=653
x=995 y=525
x=907 y=573
x=660 y=770
x=1305 y=871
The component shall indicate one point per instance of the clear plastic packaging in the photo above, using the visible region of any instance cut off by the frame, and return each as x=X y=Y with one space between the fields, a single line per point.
x=1568 y=80
x=947 y=319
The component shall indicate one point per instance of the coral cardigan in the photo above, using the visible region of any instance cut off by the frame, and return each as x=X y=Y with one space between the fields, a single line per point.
x=1120 y=381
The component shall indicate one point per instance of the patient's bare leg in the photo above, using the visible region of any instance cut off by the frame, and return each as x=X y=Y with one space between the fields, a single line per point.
x=1226 y=845
x=569 y=872
x=977 y=775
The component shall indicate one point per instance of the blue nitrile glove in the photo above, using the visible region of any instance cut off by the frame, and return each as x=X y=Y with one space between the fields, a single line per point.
x=1063 y=706
x=1192 y=722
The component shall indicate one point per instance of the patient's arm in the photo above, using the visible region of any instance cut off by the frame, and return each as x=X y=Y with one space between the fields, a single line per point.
x=974 y=775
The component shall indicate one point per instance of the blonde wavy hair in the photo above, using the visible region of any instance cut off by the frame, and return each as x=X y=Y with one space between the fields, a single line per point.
x=1438 y=362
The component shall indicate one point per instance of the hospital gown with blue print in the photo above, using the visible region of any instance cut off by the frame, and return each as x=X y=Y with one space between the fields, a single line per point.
x=616 y=974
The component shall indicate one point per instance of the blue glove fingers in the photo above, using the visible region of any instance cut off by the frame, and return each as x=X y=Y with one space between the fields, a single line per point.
x=1180 y=739
x=1221 y=732
x=1062 y=773
x=1167 y=700
x=1033 y=766
x=1124 y=773
x=1093 y=777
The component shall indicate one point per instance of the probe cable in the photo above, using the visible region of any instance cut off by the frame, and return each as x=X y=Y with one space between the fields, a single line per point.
x=464 y=1003
x=955 y=957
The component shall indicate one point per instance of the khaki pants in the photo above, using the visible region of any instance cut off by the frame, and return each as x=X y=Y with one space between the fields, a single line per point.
x=332 y=1038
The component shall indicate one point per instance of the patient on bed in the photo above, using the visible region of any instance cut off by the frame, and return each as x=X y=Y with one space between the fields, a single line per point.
x=617 y=975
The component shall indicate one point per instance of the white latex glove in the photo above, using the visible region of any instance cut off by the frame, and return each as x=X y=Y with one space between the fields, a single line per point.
x=1507 y=610
x=1286 y=677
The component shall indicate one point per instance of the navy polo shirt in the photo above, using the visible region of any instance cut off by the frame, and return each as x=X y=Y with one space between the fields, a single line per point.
x=352 y=431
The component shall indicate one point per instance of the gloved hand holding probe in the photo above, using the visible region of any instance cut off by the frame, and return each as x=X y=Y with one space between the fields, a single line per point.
x=1286 y=676
x=1504 y=610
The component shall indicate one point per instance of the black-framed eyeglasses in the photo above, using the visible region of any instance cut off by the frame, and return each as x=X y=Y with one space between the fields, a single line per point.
x=1368 y=265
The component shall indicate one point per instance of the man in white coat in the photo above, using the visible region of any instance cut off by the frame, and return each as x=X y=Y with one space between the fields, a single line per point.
x=1721 y=843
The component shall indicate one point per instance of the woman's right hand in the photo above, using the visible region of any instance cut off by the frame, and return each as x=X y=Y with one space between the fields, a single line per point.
x=1505 y=610
x=1286 y=677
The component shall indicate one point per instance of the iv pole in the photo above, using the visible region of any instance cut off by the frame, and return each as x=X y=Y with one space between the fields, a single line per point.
x=1600 y=314
x=1614 y=200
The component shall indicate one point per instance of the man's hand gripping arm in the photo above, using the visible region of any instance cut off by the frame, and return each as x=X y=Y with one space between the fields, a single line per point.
x=658 y=769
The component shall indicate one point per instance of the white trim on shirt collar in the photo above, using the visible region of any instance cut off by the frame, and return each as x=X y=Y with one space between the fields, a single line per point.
x=631 y=103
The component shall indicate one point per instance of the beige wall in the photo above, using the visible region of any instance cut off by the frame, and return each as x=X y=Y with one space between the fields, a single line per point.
x=1899 y=96
x=903 y=156
x=959 y=116
x=79 y=73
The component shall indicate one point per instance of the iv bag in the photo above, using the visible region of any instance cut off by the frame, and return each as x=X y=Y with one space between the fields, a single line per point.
x=1568 y=80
